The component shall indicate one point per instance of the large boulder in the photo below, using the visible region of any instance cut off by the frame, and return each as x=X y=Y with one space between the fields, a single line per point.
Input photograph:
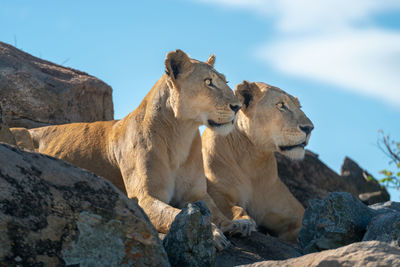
x=337 y=220
x=310 y=178
x=362 y=183
x=371 y=254
x=257 y=247
x=36 y=92
x=384 y=227
x=189 y=241
x=55 y=214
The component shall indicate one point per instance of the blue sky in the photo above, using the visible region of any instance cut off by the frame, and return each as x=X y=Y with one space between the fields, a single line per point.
x=341 y=58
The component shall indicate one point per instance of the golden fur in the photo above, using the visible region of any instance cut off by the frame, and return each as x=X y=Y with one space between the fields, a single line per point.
x=23 y=138
x=241 y=167
x=154 y=153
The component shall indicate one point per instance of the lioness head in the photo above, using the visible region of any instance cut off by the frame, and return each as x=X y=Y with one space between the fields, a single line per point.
x=200 y=93
x=272 y=119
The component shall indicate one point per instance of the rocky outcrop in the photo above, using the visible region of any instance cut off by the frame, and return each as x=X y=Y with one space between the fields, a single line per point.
x=311 y=178
x=257 y=247
x=337 y=220
x=384 y=227
x=189 y=242
x=5 y=134
x=35 y=92
x=362 y=184
x=371 y=254
x=55 y=214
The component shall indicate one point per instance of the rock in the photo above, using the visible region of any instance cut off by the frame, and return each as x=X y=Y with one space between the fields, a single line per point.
x=35 y=92
x=371 y=254
x=337 y=220
x=362 y=183
x=55 y=214
x=189 y=242
x=257 y=247
x=5 y=134
x=384 y=227
x=311 y=178
x=388 y=206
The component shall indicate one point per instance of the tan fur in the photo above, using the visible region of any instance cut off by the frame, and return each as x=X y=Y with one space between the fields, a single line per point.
x=241 y=168
x=23 y=138
x=154 y=153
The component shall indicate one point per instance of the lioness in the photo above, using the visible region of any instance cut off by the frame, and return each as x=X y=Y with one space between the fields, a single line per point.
x=154 y=153
x=241 y=168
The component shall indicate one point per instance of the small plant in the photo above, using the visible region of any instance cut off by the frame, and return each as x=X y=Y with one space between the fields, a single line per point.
x=391 y=149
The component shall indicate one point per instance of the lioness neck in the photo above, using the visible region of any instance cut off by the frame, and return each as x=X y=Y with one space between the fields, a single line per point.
x=155 y=120
x=249 y=155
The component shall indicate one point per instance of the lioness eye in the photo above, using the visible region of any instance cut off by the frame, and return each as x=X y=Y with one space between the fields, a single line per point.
x=281 y=105
x=208 y=82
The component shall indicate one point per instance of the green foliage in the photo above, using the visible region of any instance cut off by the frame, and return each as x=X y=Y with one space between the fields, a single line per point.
x=392 y=150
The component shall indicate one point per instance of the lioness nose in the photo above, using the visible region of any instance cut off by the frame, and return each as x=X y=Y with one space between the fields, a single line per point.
x=235 y=108
x=306 y=128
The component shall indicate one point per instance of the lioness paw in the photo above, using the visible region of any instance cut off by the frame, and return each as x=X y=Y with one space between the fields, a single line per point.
x=220 y=240
x=244 y=227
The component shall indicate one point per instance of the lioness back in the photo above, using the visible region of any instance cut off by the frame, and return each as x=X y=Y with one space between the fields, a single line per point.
x=82 y=144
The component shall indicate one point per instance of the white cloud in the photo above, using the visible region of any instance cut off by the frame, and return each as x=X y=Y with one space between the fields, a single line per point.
x=323 y=40
x=366 y=62
x=311 y=15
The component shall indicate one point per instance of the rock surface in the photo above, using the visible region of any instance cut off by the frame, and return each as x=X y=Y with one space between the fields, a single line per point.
x=367 y=189
x=55 y=214
x=371 y=254
x=387 y=206
x=337 y=220
x=35 y=92
x=5 y=134
x=257 y=247
x=384 y=227
x=189 y=242
x=311 y=178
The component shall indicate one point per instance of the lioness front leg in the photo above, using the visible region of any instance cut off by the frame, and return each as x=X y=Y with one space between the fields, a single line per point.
x=241 y=222
x=284 y=220
x=246 y=224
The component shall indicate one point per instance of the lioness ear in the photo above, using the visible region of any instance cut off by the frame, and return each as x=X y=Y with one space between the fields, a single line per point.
x=247 y=93
x=211 y=60
x=177 y=63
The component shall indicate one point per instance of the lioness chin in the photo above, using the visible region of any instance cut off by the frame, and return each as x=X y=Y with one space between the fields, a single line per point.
x=241 y=168
x=154 y=153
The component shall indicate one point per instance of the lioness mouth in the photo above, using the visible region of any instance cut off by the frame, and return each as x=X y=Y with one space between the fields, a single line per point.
x=285 y=148
x=215 y=124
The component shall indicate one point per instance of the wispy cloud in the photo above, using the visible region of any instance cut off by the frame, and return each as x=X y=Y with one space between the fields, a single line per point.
x=335 y=41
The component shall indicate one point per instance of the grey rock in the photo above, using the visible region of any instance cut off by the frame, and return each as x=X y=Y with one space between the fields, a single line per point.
x=362 y=183
x=388 y=206
x=189 y=242
x=257 y=247
x=310 y=178
x=384 y=227
x=337 y=220
x=36 y=92
x=55 y=214
x=5 y=135
x=361 y=254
